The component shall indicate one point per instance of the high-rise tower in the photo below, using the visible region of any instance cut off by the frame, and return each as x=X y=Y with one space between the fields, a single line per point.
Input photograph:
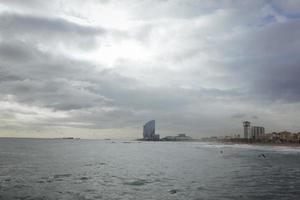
x=149 y=130
x=246 y=125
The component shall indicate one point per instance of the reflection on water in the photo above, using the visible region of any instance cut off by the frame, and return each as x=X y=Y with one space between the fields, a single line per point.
x=93 y=169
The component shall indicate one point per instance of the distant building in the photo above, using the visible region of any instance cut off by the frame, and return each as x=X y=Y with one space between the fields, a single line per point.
x=253 y=132
x=149 y=131
x=286 y=136
x=283 y=137
x=257 y=132
x=246 y=125
x=179 y=137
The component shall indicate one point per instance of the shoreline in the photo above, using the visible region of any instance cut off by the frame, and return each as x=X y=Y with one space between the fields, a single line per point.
x=262 y=144
x=295 y=145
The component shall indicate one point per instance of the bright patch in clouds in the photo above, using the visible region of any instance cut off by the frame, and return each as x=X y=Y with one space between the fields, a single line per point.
x=111 y=52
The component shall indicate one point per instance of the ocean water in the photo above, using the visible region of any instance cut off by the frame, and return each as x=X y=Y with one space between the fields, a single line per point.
x=96 y=169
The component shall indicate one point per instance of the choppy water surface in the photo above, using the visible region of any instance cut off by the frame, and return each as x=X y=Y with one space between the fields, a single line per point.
x=94 y=169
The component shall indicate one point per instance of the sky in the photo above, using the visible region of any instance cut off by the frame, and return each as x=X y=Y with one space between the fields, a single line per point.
x=102 y=68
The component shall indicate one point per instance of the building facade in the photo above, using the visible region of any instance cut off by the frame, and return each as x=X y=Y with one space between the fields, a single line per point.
x=149 y=131
x=257 y=132
x=246 y=125
x=253 y=132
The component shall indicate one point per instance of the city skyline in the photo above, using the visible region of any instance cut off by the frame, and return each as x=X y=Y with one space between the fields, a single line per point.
x=103 y=68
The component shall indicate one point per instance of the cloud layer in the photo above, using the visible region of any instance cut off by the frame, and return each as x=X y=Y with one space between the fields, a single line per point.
x=103 y=68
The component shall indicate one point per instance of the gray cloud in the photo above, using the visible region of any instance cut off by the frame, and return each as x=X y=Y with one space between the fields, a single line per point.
x=48 y=31
x=198 y=67
x=239 y=115
x=14 y=23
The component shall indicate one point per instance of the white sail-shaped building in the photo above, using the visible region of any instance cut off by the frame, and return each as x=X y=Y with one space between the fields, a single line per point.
x=149 y=131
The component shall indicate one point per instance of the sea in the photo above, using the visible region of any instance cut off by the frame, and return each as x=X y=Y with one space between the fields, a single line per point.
x=42 y=169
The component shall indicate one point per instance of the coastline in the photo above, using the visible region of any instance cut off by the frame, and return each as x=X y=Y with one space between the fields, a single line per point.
x=261 y=144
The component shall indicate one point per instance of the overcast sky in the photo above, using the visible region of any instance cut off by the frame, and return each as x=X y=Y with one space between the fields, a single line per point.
x=102 y=68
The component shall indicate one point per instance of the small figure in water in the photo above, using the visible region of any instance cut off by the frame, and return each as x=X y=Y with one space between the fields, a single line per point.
x=262 y=155
x=221 y=151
